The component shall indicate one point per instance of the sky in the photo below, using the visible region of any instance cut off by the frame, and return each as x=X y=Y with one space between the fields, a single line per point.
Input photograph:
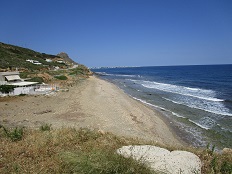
x=122 y=32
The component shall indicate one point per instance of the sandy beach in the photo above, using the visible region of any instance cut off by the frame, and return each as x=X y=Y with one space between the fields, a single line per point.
x=91 y=103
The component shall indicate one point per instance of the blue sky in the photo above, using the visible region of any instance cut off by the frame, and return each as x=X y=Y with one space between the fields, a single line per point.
x=122 y=32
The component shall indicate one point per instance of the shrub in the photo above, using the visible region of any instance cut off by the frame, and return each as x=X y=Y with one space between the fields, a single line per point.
x=24 y=74
x=45 y=127
x=215 y=162
x=6 y=88
x=61 y=77
x=226 y=168
x=15 y=135
x=36 y=79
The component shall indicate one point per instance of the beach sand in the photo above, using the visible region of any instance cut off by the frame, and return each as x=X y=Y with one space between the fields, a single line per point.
x=92 y=103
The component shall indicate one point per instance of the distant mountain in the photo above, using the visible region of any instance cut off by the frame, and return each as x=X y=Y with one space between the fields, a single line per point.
x=12 y=57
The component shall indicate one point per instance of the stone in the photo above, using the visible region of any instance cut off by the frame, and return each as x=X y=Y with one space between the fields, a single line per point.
x=227 y=150
x=162 y=160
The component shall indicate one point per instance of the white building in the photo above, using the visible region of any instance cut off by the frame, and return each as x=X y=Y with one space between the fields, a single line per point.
x=48 y=60
x=35 y=62
x=12 y=78
x=23 y=87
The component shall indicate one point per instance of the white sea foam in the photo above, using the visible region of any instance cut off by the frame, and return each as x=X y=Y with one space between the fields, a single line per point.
x=177 y=115
x=215 y=107
x=198 y=124
x=207 y=121
x=172 y=101
x=123 y=75
x=101 y=73
x=203 y=127
x=150 y=104
x=182 y=90
x=196 y=98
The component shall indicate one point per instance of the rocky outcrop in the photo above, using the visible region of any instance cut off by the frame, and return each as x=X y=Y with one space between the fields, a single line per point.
x=162 y=160
x=65 y=56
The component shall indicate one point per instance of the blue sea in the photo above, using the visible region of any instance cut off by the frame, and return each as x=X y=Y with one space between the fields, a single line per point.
x=196 y=100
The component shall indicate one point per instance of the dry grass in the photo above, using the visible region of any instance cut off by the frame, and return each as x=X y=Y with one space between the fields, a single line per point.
x=65 y=150
x=68 y=150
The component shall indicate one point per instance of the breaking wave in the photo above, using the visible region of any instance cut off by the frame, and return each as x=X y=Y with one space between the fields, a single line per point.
x=182 y=90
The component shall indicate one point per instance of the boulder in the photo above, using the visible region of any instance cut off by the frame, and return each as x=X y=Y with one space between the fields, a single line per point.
x=227 y=150
x=162 y=160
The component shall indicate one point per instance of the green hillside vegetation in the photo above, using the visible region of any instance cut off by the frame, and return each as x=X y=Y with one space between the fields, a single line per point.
x=15 y=57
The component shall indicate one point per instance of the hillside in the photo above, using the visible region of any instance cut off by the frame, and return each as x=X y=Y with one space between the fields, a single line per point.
x=12 y=57
x=66 y=57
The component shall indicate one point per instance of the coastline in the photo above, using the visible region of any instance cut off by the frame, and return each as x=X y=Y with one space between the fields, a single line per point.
x=93 y=103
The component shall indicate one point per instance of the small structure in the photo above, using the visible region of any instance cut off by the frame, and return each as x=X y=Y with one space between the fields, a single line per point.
x=48 y=60
x=59 y=60
x=24 y=87
x=12 y=78
x=29 y=60
x=8 y=77
x=35 y=62
x=21 y=86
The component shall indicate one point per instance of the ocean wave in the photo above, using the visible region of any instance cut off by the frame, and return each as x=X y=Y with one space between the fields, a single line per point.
x=215 y=108
x=173 y=113
x=177 y=115
x=182 y=90
x=143 y=101
x=179 y=103
x=204 y=123
x=201 y=126
x=192 y=92
x=102 y=73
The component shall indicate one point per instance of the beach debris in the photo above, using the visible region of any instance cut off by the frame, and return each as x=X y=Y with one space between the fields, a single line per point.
x=101 y=132
x=43 y=112
x=64 y=90
x=162 y=160
x=134 y=118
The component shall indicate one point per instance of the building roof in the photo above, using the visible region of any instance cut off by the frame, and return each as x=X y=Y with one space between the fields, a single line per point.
x=23 y=83
x=13 y=77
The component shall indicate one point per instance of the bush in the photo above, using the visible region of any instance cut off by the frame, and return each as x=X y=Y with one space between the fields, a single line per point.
x=45 y=127
x=15 y=135
x=6 y=88
x=36 y=79
x=215 y=162
x=22 y=95
x=61 y=77
x=24 y=74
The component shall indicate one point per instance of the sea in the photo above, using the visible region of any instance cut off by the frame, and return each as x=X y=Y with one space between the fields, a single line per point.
x=196 y=100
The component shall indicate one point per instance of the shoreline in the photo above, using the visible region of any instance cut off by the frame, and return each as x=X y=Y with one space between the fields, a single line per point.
x=93 y=103
x=162 y=114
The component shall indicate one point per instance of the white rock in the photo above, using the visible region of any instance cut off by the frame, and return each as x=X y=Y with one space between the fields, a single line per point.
x=162 y=160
